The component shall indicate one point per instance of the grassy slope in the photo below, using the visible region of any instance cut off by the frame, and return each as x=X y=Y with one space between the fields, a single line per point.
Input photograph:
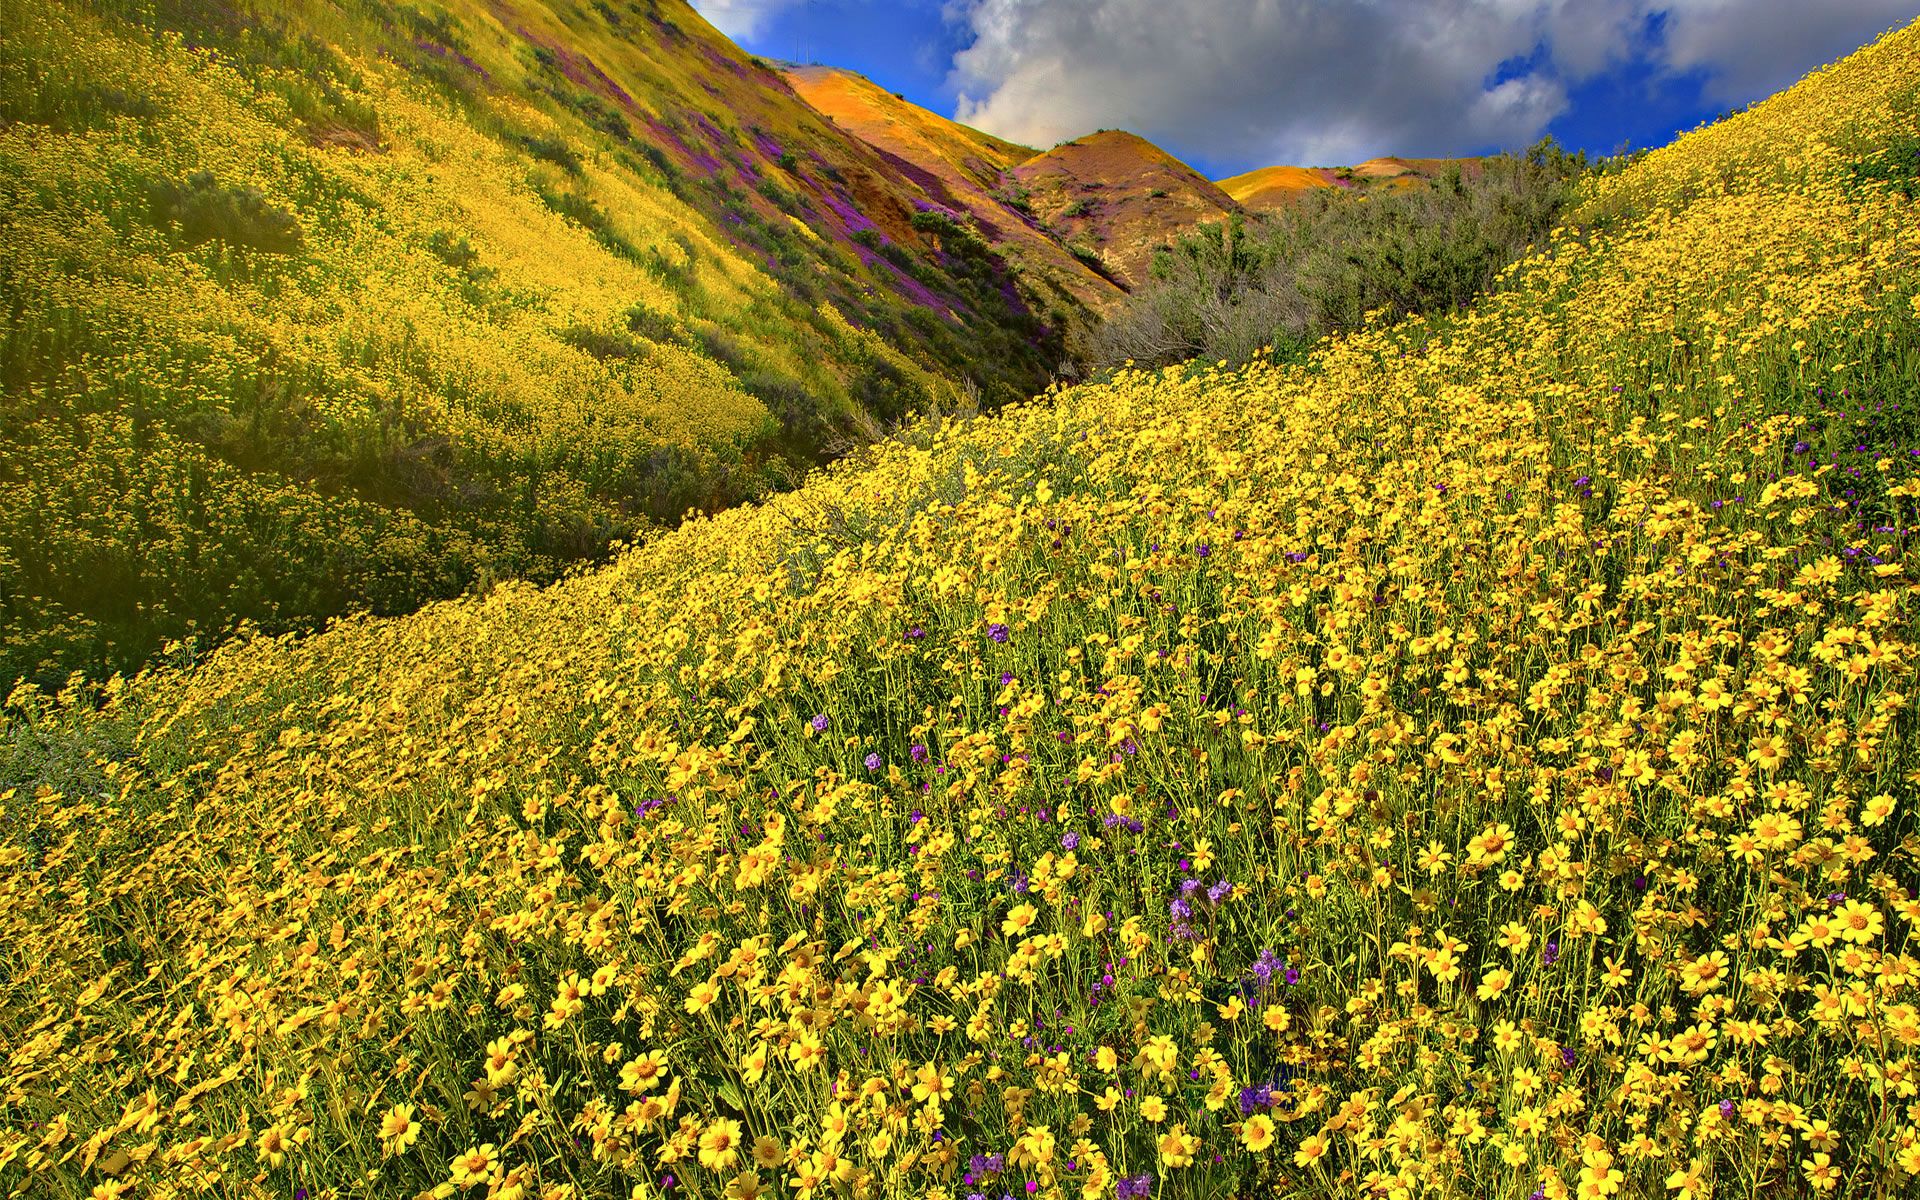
x=1535 y=676
x=469 y=293
x=1276 y=187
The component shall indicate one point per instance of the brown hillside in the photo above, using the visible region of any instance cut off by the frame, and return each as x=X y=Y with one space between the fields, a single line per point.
x=1115 y=197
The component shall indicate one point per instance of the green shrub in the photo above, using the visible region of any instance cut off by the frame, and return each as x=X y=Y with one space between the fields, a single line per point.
x=201 y=211
x=555 y=151
x=1231 y=288
x=1897 y=168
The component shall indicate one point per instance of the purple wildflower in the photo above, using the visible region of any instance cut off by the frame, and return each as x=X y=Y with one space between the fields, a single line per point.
x=819 y=723
x=873 y=762
x=1266 y=966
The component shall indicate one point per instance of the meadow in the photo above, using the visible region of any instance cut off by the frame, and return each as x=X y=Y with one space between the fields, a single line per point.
x=1476 y=758
x=321 y=307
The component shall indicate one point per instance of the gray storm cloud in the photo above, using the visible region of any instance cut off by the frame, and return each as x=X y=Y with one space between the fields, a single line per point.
x=1337 y=81
x=1323 y=82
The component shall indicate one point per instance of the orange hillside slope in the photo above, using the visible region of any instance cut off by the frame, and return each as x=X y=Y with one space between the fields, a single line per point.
x=1271 y=187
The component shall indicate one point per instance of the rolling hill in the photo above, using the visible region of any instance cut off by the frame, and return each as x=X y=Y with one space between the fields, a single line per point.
x=1115 y=197
x=1478 y=759
x=1272 y=188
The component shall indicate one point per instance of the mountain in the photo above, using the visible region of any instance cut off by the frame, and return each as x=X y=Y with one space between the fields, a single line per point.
x=1115 y=197
x=1418 y=764
x=1273 y=188
x=327 y=306
x=969 y=175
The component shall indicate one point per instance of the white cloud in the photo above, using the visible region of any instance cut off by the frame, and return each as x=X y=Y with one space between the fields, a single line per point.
x=741 y=18
x=1754 y=49
x=1337 y=81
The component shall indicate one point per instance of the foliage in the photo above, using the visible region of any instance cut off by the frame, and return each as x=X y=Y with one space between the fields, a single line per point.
x=1231 y=289
x=1477 y=760
x=1896 y=167
x=202 y=211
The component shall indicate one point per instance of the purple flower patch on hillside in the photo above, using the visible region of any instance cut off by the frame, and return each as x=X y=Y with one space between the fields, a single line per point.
x=768 y=148
x=725 y=63
x=668 y=139
x=448 y=54
x=926 y=180
x=851 y=217
x=1016 y=303
x=903 y=283
x=711 y=132
x=581 y=70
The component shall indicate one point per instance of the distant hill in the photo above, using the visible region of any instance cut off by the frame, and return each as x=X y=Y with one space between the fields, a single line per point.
x=1269 y=188
x=966 y=172
x=1086 y=216
x=1116 y=197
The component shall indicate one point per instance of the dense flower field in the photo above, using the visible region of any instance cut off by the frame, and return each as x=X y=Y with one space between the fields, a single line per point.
x=1479 y=761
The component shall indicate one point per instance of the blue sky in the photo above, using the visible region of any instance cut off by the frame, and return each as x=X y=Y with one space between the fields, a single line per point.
x=1229 y=85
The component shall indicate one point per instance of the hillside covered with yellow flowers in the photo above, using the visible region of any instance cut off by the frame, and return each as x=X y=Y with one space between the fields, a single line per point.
x=1477 y=761
x=343 y=304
